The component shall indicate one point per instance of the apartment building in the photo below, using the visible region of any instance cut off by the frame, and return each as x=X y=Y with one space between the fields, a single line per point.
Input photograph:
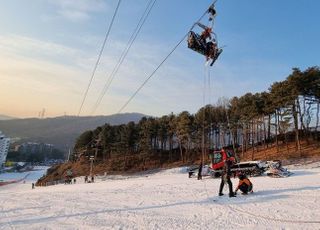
x=4 y=148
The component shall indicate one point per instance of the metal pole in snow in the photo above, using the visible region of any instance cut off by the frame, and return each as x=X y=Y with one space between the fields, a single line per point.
x=91 y=164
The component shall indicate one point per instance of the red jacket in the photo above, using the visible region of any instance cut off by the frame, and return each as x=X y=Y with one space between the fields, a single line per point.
x=206 y=34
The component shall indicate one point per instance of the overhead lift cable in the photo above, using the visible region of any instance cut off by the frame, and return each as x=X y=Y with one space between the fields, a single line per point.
x=136 y=92
x=99 y=56
x=164 y=60
x=133 y=37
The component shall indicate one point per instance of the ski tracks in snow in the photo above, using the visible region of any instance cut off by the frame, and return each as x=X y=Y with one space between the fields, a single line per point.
x=164 y=201
x=13 y=212
x=7 y=218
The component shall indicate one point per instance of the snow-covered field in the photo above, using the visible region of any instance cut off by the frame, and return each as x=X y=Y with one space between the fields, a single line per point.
x=164 y=200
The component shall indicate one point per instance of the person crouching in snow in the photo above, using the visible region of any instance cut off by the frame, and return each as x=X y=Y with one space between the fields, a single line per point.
x=244 y=185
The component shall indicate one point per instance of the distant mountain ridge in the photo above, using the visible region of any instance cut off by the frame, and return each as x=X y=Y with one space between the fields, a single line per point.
x=5 y=117
x=61 y=131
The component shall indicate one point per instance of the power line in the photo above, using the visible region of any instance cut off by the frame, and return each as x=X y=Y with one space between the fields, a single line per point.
x=125 y=52
x=99 y=56
x=164 y=60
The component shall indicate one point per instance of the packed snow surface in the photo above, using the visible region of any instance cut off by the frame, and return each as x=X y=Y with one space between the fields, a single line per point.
x=164 y=200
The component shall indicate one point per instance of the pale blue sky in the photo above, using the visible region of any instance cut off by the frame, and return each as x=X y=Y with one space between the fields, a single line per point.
x=48 y=49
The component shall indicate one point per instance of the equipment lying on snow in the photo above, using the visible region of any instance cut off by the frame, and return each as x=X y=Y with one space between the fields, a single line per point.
x=275 y=169
x=194 y=169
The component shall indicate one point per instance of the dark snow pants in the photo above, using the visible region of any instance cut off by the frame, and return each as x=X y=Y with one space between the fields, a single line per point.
x=226 y=179
x=245 y=188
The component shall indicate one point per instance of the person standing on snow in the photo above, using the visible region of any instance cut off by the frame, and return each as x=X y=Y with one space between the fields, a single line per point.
x=225 y=178
x=200 y=172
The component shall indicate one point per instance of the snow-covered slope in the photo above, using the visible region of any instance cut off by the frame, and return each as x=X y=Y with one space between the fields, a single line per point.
x=32 y=176
x=164 y=200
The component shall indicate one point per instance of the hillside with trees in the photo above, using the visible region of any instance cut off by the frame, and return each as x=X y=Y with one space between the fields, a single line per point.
x=282 y=122
x=60 y=131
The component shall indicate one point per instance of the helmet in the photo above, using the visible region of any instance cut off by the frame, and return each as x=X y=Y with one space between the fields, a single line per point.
x=241 y=176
